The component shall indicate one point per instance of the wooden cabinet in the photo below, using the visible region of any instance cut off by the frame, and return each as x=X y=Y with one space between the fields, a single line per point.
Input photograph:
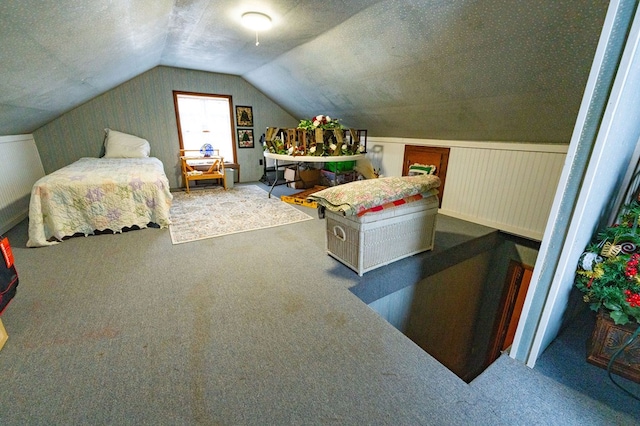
x=437 y=156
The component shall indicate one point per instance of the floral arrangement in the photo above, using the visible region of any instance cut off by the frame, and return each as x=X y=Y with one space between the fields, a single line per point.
x=321 y=136
x=278 y=146
x=320 y=122
x=607 y=272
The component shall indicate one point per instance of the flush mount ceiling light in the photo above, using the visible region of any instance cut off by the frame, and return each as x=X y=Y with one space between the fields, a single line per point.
x=256 y=21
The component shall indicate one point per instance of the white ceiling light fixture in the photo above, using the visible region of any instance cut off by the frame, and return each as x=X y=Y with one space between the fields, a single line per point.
x=256 y=21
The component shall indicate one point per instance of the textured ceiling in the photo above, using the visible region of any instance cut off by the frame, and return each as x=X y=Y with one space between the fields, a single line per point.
x=473 y=70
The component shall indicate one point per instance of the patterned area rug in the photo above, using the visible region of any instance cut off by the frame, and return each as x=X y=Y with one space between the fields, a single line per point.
x=215 y=212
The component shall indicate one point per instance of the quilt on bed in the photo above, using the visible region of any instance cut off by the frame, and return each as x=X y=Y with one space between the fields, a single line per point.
x=98 y=194
x=355 y=198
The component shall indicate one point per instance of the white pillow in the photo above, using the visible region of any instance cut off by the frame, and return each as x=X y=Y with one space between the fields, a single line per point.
x=123 y=145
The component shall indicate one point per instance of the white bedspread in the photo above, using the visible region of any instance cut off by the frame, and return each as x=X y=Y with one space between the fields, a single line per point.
x=98 y=194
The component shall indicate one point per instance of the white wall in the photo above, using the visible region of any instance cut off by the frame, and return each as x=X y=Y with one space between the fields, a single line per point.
x=507 y=186
x=20 y=168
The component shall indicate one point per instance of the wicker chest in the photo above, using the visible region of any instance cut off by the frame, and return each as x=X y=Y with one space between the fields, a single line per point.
x=377 y=239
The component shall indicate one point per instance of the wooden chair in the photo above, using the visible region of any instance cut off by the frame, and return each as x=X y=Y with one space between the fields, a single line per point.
x=196 y=166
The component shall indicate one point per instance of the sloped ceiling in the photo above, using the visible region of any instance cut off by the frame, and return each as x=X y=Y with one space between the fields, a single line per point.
x=443 y=69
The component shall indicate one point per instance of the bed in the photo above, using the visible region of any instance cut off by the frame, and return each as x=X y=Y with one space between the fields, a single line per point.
x=375 y=222
x=98 y=194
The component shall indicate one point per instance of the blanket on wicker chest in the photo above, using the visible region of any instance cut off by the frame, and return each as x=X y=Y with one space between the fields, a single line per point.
x=357 y=197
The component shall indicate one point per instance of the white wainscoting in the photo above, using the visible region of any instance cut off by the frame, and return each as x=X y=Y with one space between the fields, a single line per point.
x=20 y=168
x=505 y=185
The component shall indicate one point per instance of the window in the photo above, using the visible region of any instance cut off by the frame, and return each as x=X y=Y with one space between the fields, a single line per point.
x=203 y=119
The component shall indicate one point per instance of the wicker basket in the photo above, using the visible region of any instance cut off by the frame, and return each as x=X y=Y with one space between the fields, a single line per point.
x=377 y=239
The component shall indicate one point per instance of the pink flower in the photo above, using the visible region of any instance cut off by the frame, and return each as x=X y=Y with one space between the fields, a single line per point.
x=320 y=119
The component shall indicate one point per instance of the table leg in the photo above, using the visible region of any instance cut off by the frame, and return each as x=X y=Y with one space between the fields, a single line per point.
x=275 y=179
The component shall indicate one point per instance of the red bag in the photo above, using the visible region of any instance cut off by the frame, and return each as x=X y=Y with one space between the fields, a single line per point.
x=8 y=274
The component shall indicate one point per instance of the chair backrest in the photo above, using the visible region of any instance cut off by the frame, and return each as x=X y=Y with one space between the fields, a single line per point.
x=199 y=153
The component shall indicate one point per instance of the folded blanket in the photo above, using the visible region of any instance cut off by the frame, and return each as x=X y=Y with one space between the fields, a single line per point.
x=393 y=204
x=356 y=197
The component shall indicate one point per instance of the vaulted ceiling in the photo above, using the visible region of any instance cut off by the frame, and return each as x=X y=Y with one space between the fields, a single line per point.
x=495 y=70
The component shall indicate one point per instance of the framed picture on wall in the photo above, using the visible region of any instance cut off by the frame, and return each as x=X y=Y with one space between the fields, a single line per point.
x=244 y=116
x=245 y=138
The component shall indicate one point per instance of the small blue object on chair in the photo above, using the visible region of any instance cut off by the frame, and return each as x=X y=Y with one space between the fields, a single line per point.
x=206 y=150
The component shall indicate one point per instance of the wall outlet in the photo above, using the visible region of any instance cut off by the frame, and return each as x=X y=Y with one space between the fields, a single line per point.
x=261 y=160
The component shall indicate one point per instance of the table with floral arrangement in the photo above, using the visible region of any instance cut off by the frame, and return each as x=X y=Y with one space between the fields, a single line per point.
x=319 y=140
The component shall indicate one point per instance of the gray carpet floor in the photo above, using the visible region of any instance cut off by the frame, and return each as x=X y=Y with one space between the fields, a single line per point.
x=246 y=329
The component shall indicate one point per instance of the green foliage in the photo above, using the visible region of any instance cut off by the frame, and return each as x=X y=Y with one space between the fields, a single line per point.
x=335 y=141
x=278 y=147
x=320 y=122
x=607 y=273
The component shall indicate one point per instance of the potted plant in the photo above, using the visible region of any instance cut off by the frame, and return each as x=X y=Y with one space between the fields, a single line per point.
x=607 y=273
x=608 y=276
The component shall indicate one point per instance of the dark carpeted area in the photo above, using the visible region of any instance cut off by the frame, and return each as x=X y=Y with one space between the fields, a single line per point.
x=253 y=328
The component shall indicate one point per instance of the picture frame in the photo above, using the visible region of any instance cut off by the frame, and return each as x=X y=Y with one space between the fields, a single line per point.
x=245 y=138
x=244 y=116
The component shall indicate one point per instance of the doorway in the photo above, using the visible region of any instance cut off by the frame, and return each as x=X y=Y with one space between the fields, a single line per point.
x=428 y=155
x=510 y=309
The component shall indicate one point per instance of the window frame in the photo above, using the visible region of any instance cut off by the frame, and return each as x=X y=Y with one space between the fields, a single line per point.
x=229 y=99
